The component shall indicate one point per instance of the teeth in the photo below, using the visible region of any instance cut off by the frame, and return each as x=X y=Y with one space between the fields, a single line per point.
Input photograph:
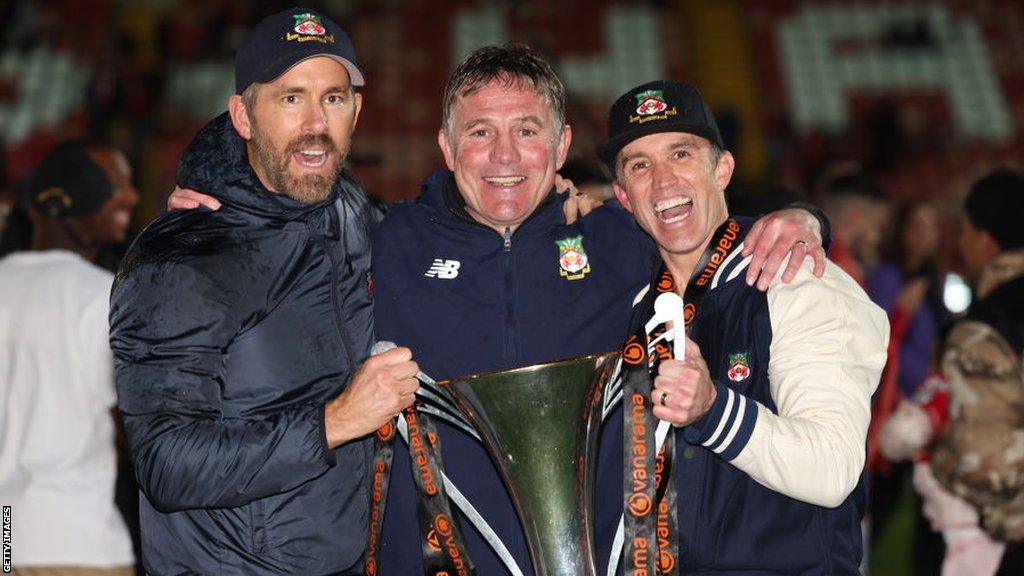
x=312 y=158
x=504 y=180
x=671 y=203
x=663 y=208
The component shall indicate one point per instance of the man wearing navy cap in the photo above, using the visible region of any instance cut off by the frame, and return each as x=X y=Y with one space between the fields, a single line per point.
x=242 y=337
x=772 y=401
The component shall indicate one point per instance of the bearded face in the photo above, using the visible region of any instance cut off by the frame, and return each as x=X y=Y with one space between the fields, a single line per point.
x=302 y=184
x=299 y=128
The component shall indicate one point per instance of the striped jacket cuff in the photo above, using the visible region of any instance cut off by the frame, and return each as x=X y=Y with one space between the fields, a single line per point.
x=726 y=428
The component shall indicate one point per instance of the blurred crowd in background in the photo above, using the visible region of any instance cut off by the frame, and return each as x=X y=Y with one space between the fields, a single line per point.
x=882 y=113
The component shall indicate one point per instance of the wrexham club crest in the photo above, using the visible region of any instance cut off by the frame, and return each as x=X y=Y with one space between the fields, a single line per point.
x=739 y=367
x=650 y=102
x=309 y=27
x=572 y=258
x=309 y=24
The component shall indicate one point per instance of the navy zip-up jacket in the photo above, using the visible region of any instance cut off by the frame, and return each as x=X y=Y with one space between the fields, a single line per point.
x=231 y=330
x=466 y=302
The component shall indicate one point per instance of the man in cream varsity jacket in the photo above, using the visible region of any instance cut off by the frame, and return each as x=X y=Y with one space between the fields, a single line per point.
x=772 y=401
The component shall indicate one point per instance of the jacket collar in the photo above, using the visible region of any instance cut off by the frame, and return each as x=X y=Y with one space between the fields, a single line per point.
x=216 y=163
x=1000 y=270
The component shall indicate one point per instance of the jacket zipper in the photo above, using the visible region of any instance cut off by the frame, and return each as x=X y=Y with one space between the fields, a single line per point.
x=334 y=296
x=511 y=358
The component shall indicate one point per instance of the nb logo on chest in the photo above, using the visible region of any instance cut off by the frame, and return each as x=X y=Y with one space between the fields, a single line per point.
x=446 y=269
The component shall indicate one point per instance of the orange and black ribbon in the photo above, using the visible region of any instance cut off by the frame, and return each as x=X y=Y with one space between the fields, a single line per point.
x=443 y=547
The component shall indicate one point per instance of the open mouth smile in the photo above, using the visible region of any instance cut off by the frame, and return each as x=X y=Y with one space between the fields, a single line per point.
x=311 y=157
x=672 y=210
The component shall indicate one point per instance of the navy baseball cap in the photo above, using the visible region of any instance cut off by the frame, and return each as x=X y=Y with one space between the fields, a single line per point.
x=659 y=106
x=284 y=39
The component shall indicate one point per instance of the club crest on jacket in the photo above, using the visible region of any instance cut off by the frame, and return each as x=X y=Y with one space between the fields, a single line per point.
x=572 y=258
x=739 y=367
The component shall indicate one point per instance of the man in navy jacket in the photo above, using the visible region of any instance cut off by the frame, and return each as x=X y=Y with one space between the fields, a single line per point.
x=241 y=337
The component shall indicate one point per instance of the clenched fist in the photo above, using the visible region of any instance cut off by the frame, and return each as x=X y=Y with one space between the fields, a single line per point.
x=683 y=390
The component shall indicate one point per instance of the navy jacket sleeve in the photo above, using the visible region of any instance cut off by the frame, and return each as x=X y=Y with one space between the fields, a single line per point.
x=171 y=328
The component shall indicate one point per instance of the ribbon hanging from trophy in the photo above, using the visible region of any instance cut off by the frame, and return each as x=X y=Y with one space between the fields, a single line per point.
x=650 y=523
x=383 y=452
x=444 y=549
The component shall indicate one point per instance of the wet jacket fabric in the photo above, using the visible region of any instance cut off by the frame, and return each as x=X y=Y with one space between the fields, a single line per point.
x=771 y=479
x=231 y=329
x=980 y=454
x=466 y=302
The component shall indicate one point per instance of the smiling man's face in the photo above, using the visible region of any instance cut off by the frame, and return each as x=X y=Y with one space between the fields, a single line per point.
x=674 y=185
x=299 y=129
x=504 y=148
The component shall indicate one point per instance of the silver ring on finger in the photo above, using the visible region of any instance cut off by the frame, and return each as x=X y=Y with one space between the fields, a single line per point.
x=800 y=243
x=664 y=395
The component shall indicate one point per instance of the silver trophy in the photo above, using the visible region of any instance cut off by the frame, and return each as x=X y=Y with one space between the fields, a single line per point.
x=540 y=425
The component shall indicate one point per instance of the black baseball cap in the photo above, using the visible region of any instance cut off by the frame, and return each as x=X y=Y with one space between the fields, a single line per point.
x=68 y=183
x=654 y=107
x=284 y=39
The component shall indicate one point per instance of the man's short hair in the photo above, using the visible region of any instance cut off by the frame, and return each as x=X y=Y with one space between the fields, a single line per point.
x=513 y=64
x=249 y=95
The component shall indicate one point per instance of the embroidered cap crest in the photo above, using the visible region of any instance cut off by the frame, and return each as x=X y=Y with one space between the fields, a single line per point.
x=309 y=24
x=650 y=102
x=309 y=27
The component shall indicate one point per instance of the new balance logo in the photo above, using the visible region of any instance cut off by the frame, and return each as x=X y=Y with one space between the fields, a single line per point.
x=446 y=269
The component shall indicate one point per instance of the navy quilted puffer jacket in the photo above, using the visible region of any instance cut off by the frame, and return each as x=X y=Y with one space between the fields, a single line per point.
x=231 y=329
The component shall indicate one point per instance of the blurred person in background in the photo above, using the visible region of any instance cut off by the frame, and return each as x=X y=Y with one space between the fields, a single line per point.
x=57 y=429
x=859 y=212
x=980 y=454
x=908 y=285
